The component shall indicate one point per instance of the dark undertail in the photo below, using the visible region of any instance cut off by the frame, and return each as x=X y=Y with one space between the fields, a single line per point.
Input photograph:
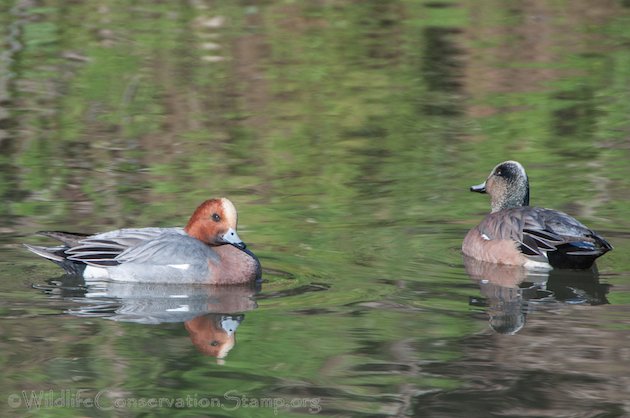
x=71 y=268
x=58 y=256
x=579 y=255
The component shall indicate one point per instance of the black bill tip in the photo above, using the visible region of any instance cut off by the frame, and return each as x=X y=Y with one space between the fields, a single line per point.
x=479 y=188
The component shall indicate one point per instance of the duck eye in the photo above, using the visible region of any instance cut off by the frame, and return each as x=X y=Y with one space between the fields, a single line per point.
x=214 y=343
x=498 y=173
x=216 y=217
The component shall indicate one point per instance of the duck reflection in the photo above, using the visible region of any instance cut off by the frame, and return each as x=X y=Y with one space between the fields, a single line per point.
x=211 y=314
x=214 y=334
x=510 y=293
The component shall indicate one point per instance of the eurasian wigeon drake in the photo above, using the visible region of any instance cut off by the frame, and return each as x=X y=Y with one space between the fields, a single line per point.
x=208 y=250
x=518 y=234
x=214 y=334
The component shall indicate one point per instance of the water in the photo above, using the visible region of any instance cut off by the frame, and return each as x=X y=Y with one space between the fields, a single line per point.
x=347 y=134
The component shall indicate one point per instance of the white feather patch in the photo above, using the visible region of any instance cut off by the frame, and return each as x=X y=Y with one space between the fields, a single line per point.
x=179 y=266
x=182 y=308
x=92 y=272
x=537 y=265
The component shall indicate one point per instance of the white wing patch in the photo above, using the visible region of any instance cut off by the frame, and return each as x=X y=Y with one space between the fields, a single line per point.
x=182 y=308
x=179 y=266
x=485 y=237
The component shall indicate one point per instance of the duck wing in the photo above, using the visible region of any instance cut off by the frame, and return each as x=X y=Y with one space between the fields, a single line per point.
x=168 y=249
x=102 y=250
x=579 y=241
x=547 y=234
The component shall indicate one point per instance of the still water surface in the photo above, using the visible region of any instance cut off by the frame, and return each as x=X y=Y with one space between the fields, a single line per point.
x=347 y=134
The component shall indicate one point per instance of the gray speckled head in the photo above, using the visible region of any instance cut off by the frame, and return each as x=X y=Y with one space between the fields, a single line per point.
x=507 y=185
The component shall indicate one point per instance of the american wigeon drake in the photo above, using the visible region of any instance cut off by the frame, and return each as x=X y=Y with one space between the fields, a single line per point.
x=518 y=234
x=208 y=250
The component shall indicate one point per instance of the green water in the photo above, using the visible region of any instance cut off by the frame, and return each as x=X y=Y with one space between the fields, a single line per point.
x=347 y=135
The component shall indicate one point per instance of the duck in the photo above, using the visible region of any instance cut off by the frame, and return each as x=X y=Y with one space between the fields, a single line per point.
x=514 y=233
x=207 y=250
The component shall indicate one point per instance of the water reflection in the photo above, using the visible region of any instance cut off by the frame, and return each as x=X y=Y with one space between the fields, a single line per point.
x=510 y=293
x=211 y=314
x=214 y=334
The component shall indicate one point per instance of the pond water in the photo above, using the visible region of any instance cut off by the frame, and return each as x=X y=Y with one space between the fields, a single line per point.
x=347 y=134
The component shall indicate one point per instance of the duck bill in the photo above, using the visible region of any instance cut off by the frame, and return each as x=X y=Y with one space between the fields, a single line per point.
x=479 y=188
x=231 y=237
x=229 y=323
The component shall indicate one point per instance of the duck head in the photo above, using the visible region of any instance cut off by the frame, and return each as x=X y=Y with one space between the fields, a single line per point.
x=214 y=222
x=214 y=334
x=507 y=185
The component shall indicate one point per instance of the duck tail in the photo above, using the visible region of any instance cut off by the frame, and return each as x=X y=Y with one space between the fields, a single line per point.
x=69 y=239
x=58 y=256
x=51 y=253
x=603 y=244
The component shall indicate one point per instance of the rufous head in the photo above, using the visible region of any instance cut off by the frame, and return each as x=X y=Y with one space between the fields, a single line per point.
x=214 y=222
x=214 y=334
